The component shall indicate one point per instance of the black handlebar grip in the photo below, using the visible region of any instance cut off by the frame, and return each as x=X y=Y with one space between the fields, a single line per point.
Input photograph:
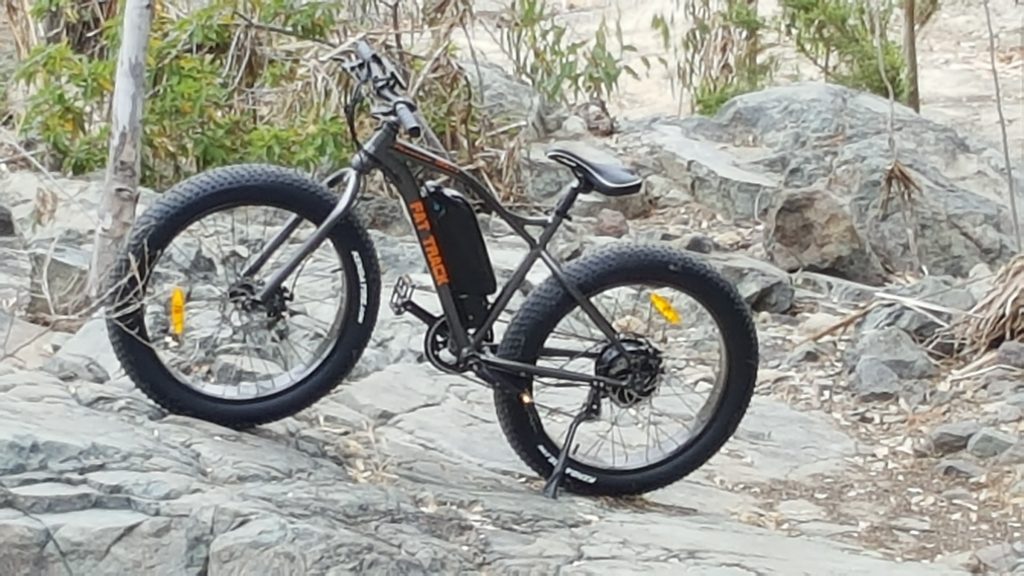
x=408 y=120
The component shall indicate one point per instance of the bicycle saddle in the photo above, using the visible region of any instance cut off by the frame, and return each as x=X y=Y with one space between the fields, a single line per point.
x=606 y=179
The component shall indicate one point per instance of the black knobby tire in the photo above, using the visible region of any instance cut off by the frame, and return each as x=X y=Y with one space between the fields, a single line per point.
x=622 y=264
x=221 y=189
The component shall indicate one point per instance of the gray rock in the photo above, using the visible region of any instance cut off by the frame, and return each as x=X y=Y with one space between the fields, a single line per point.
x=836 y=288
x=1007 y=414
x=397 y=257
x=384 y=212
x=507 y=100
x=933 y=289
x=1013 y=455
x=573 y=126
x=763 y=286
x=808 y=352
x=611 y=223
x=1018 y=488
x=818 y=135
x=81 y=368
x=1011 y=353
x=1016 y=399
x=433 y=491
x=989 y=442
x=959 y=468
x=699 y=165
x=953 y=436
x=15 y=276
x=59 y=276
x=23 y=342
x=810 y=230
x=665 y=193
x=87 y=354
x=872 y=380
x=1000 y=558
x=894 y=348
x=74 y=203
x=6 y=222
x=1002 y=384
x=52 y=497
x=700 y=243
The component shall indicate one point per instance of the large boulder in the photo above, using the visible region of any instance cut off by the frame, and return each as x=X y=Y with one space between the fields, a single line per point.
x=64 y=210
x=508 y=100
x=831 y=144
x=812 y=230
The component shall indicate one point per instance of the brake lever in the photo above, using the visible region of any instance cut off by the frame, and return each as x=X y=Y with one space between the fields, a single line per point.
x=392 y=72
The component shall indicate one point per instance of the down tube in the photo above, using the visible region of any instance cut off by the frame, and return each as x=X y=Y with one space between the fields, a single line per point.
x=428 y=160
x=424 y=224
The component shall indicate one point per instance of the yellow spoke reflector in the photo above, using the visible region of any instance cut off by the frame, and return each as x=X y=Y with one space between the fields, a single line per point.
x=177 y=311
x=665 y=308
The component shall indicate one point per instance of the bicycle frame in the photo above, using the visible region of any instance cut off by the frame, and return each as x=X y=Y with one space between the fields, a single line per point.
x=383 y=150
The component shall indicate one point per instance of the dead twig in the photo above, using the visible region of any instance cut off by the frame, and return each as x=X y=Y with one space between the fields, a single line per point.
x=898 y=181
x=998 y=317
x=1002 y=124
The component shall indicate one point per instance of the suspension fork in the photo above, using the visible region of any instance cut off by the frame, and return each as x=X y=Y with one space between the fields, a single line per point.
x=353 y=182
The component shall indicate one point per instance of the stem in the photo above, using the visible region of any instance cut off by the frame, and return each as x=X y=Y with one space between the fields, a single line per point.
x=1002 y=123
x=910 y=54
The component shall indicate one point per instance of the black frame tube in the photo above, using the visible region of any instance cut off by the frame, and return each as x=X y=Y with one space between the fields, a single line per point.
x=385 y=152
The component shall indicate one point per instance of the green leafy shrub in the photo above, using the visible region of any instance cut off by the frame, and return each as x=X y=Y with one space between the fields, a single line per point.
x=225 y=88
x=560 y=69
x=721 y=55
x=840 y=37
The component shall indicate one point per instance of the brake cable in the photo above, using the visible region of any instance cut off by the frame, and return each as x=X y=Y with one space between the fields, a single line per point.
x=350 y=111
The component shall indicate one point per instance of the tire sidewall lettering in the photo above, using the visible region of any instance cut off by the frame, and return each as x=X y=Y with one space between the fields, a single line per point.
x=569 y=470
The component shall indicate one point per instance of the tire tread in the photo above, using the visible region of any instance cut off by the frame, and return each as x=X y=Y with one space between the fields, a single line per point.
x=621 y=261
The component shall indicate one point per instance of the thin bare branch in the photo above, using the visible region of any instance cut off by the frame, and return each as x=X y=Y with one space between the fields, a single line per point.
x=1002 y=124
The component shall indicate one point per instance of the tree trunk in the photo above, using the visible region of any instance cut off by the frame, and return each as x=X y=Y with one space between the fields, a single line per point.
x=910 y=54
x=124 y=161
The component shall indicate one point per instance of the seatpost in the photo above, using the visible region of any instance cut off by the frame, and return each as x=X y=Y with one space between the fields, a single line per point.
x=565 y=204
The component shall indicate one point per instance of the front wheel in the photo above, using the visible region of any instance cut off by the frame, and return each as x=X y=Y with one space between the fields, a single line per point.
x=695 y=338
x=182 y=318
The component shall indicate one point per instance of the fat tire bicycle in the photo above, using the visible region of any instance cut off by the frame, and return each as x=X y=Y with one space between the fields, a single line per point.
x=626 y=367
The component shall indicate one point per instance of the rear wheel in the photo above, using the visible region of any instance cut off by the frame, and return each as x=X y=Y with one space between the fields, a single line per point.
x=658 y=430
x=183 y=321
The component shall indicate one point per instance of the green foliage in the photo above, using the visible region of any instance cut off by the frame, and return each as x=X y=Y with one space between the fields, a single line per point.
x=560 y=69
x=841 y=38
x=221 y=88
x=721 y=54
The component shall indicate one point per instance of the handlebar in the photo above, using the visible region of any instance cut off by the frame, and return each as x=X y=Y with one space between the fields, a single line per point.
x=408 y=121
x=383 y=77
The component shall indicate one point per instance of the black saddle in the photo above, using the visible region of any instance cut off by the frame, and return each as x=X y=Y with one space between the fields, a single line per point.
x=606 y=179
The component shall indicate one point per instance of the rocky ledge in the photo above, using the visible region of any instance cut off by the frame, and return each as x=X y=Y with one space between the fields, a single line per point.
x=862 y=452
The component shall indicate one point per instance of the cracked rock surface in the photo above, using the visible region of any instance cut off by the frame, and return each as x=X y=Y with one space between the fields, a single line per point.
x=402 y=472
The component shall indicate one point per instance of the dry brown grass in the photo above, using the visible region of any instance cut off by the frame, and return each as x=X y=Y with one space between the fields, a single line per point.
x=998 y=317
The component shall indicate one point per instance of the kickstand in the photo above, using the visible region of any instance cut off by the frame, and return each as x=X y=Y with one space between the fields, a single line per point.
x=590 y=408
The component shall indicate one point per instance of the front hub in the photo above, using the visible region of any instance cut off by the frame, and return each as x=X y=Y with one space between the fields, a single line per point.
x=243 y=295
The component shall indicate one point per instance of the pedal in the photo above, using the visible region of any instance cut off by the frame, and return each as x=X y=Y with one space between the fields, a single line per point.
x=401 y=301
x=401 y=296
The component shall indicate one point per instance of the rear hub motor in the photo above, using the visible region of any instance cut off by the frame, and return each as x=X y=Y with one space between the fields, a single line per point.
x=642 y=375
